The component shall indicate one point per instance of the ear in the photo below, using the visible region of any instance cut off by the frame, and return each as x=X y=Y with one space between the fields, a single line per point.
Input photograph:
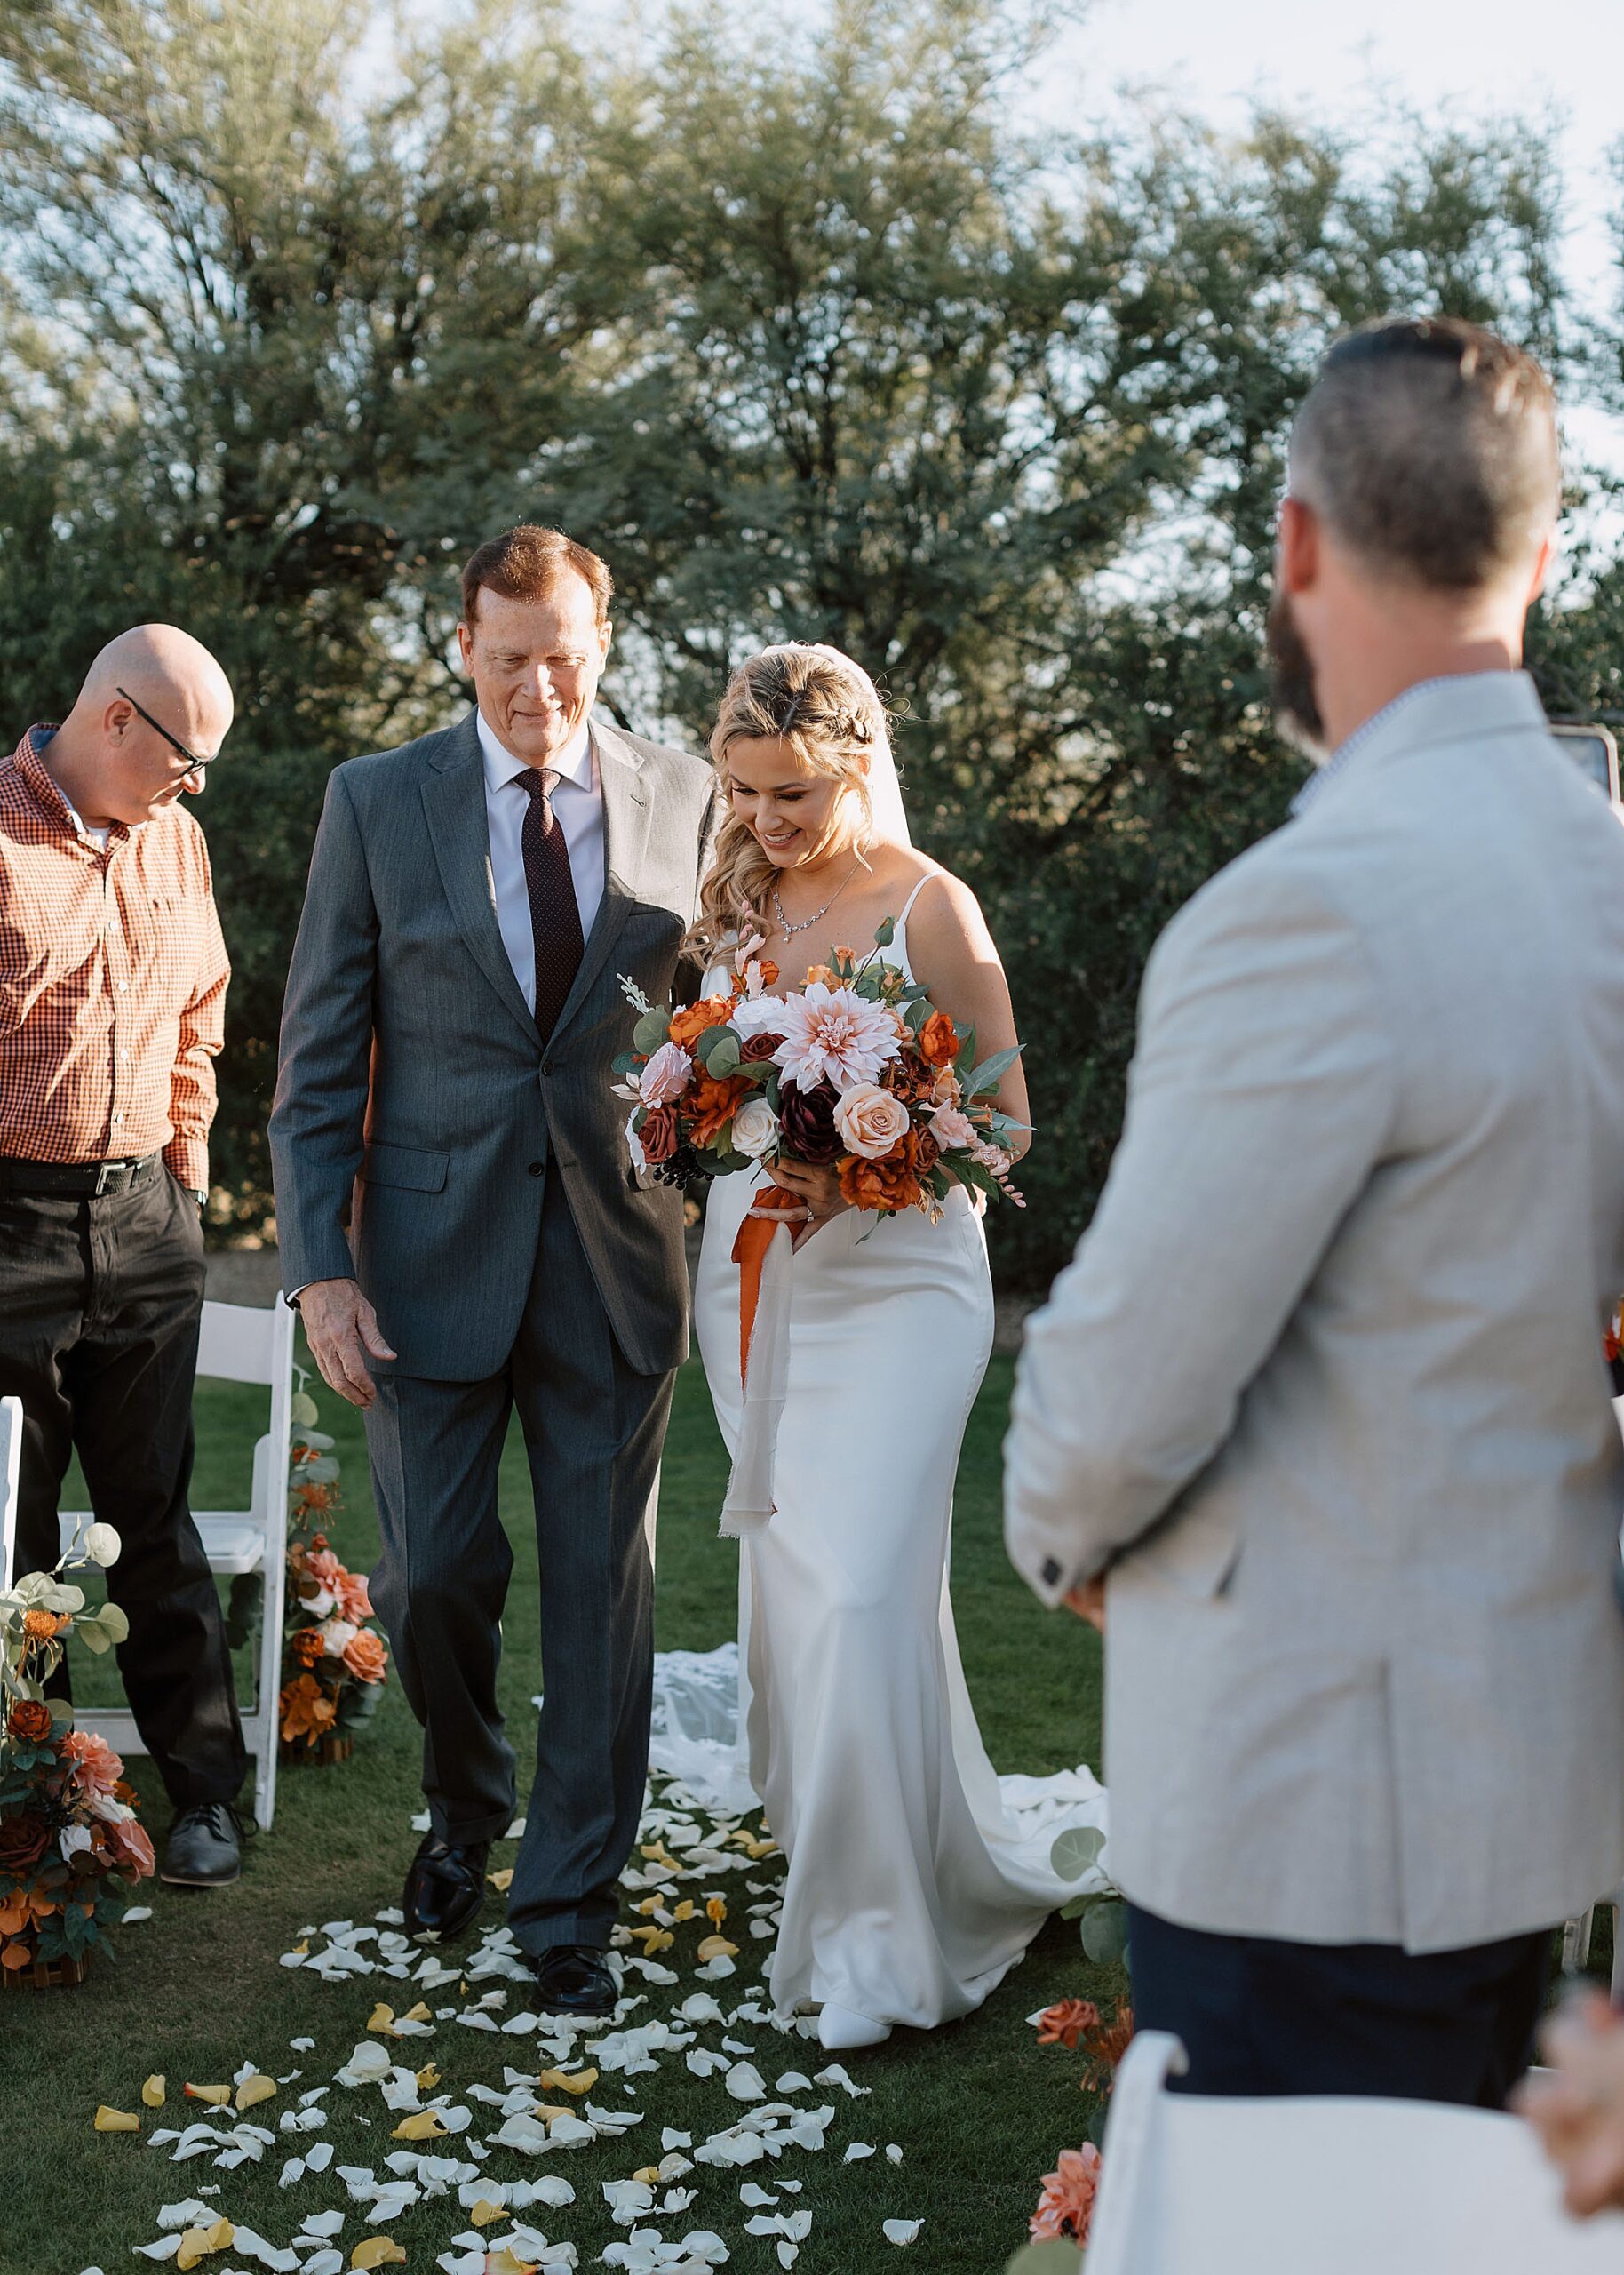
x=464 y=645
x=117 y=719
x=1297 y=546
x=1541 y=568
x=606 y=633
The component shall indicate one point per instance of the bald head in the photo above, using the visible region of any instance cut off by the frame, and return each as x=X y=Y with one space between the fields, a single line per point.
x=153 y=698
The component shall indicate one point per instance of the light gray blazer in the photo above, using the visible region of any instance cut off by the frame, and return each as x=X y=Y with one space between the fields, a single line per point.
x=418 y=1114
x=1324 y=1386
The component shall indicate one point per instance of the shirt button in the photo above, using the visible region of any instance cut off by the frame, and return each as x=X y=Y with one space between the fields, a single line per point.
x=123 y=985
x=118 y=1117
x=538 y=1168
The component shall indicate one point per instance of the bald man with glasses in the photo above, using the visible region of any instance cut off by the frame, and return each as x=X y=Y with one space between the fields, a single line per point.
x=112 y=976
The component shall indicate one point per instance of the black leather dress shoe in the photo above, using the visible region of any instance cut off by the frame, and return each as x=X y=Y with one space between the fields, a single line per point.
x=445 y=1888
x=205 y=1848
x=574 y=1979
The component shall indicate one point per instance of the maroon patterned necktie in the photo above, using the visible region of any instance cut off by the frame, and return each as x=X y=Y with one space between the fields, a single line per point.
x=555 y=916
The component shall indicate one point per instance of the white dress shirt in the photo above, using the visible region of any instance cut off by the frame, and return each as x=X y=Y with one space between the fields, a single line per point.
x=577 y=807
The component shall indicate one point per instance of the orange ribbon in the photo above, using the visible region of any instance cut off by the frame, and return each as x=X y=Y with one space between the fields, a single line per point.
x=755 y=1237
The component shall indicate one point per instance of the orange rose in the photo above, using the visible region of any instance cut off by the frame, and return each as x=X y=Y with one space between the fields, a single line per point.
x=41 y=1626
x=939 y=1039
x=769 y=971
x=29 y=1722
x=889 y=1185
x=689 y=1025
x=364 y=1655
x=710 y=1105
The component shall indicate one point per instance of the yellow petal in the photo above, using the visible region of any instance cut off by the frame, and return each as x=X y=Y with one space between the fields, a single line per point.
x=301 y=1950
x=503 y=2263
x=377 y=2251
x=716 y=1910
x=202 y=2243
x=577 y=2081
x=254 y=2090
x=428 y=2078
x=216 y=2097
x=503 y=1881
x=382 y=2020
x=685 y=1909
x=417 y=2014
x=650 y=2174
x=650 y=1903
x=718 y=1947
x=485 y=2214
x=548 y=2110
x=422 y=2125
x=152 y=2092
x=653 y=1939
x=115 y=2120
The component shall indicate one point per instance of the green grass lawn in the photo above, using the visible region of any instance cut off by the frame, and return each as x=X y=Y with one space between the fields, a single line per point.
x=978 y=2108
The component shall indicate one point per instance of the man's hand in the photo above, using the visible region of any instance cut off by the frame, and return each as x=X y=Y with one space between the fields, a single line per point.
x=1087 y=1601
x=342 y=1330
x=1577 y=2108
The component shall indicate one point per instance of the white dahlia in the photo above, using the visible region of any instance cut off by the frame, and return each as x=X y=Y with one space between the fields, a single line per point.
x=834 y=1034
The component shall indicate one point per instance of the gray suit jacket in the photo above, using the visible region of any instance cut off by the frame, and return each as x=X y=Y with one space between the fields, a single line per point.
x=1324 y=1386
x=417 y=1114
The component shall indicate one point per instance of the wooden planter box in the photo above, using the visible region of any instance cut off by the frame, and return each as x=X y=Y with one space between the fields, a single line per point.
x=336 y=1746
x=45 y=1974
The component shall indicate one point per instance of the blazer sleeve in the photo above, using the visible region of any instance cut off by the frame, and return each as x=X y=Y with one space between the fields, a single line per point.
x=318 y=1121
x=1260 y=1101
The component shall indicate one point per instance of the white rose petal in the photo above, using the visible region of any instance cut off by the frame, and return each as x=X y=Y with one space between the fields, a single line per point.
x=901 y=2231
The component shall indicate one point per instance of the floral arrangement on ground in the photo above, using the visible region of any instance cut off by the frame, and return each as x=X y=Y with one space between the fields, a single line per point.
x=71 y=1845
x=857 y=1071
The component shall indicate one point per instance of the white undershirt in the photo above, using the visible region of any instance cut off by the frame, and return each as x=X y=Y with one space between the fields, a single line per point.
x=577 y=806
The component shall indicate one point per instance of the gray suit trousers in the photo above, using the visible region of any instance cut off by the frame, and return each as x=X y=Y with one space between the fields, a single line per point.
x=593 y=1429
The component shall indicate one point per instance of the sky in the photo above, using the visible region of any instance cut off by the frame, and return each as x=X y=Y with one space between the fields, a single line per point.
x=1464 y=59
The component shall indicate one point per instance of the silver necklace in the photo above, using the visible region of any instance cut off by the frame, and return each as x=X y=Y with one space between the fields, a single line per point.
x=788 y=930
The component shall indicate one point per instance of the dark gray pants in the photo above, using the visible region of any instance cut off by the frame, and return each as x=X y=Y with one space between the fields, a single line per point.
x=594 y=1429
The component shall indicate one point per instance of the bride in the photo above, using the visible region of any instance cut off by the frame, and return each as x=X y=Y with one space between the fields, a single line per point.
x=912 y=1884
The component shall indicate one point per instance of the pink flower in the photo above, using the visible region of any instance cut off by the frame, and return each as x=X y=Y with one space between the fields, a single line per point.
x=666 y=1076
x=834 y=1034
x=951 y=1129
x=871 y=1121
x=322 y=1565
x=95 y=1764
x=354 y=1600
x=1066 y=2206
x=131 y=1847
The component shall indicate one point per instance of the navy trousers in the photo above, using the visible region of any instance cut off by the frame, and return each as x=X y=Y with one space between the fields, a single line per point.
x=1260 y=2016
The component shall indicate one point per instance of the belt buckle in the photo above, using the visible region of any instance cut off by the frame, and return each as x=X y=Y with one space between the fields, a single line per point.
x=106 y=1172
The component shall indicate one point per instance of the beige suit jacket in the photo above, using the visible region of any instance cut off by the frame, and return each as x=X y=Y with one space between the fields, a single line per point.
x=1323 y=1389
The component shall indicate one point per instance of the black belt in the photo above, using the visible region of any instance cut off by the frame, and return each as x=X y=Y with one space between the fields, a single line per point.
x=94 y=1179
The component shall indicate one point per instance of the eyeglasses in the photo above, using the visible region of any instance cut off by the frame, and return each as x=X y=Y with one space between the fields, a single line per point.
x=194 y=764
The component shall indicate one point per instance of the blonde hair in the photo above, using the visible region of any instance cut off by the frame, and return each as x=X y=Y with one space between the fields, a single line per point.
x=829 y=711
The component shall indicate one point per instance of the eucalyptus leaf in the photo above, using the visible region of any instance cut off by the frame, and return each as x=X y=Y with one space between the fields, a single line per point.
x=319 y=1438
x=1076 y=1850
x=719 y=1048
x=1105 y=1933
x=991 y=1071
x=304 y=1412
x=94 y=1635
x=651 y=1030
x=322 y=1471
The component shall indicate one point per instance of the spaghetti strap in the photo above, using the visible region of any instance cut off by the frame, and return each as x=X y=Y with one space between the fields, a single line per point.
x=912 y=896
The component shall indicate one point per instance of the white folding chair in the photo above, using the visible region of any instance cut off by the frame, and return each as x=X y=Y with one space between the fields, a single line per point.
x=239 y=1344
x=1197 y=2185
x=11 y=1456
x=1576 y=1935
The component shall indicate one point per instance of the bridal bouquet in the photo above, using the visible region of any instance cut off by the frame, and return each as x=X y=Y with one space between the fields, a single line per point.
x=857 y=1071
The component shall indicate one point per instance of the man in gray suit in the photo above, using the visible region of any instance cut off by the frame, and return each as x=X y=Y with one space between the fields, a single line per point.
x=461 y=1228
x=1317 y=1423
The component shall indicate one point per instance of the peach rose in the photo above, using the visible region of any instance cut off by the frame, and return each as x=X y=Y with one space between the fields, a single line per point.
x=1065 y=2208
x=97 y=1768
x=871 y=1121
x=951 y=1129
x=364 y=1655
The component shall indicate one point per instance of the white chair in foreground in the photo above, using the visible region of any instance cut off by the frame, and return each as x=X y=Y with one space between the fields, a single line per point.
x=239 y=1344
x=11 y=1457
x=1197 y=2185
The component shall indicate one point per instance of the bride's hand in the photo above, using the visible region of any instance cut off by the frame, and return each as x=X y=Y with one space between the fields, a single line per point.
x=812 y=1197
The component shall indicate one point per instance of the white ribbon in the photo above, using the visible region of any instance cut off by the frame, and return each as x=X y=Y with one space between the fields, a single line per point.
x=767 y=1377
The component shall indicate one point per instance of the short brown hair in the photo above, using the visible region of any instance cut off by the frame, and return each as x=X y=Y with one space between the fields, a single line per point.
x=1429 y=446
x=526 y=563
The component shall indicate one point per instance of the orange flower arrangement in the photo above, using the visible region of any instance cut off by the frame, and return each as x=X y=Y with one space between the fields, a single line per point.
x=896 y=1181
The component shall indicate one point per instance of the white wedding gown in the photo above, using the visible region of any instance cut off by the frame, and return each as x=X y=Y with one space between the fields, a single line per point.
x=916 y=1877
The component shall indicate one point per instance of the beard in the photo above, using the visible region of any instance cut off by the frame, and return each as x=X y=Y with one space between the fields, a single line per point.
x=1291 y=673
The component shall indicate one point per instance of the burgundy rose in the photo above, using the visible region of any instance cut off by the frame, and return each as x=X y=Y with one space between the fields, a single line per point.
x=757 y=1047
x=660 y=1133
x=808 y=1120
x=22 y=1842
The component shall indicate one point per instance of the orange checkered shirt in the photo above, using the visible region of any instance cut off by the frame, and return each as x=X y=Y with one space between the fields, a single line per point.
x=112 y=981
